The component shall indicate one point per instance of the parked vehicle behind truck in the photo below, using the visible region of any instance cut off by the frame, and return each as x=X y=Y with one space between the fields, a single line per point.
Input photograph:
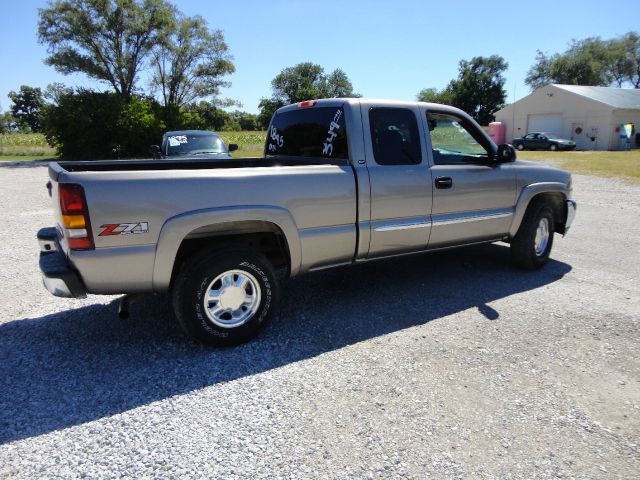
x=188 y=143
x=342 y=181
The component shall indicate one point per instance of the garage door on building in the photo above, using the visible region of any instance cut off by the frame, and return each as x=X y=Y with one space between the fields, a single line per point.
x=550 y=123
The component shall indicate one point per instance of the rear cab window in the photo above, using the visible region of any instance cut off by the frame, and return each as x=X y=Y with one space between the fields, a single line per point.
x=308 y=132
x=394 y=136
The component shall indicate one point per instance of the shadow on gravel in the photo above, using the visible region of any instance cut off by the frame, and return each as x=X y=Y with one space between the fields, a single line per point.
x=80 y=365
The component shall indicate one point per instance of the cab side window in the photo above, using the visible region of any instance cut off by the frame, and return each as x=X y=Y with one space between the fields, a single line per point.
x=395 y=136
x=452 y=142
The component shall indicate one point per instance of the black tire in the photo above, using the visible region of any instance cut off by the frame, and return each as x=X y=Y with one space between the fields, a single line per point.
x=523 y=245
x=194 y=281
x=520 y=146
x=553 y=147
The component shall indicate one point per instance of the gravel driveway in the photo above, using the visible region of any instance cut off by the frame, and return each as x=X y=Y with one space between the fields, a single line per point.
x=448 y=365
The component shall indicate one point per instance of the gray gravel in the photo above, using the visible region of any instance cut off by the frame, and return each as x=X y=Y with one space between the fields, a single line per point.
x=451 y=365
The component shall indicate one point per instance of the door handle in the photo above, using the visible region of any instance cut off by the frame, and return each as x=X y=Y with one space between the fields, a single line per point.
x=444 y=182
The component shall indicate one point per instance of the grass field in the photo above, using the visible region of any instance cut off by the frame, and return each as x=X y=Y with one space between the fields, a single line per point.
x=607 y=164
x=33 y=146
x=24 y=146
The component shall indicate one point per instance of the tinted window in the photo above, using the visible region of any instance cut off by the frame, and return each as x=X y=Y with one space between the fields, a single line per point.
x=193 y=144
x=395 y=137
x=451 y=140
x=310 y=132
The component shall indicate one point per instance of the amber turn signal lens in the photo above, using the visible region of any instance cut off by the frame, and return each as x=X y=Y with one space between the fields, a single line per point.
x=73 y=221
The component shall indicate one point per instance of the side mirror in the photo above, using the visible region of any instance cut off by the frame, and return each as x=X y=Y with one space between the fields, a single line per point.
x=155 y=151
x=506 y=153
x=233 y=147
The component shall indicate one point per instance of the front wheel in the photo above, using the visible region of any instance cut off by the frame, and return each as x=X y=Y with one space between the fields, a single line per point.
x=531 y=246
x=224 y=298
x=553 y=147
x=520 y=146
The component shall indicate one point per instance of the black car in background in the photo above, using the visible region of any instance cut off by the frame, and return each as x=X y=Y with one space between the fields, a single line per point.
x=192 y=144
x=543 y=141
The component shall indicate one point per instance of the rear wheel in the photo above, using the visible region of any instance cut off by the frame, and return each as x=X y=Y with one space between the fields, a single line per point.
x=531 y=246
x=225 y=297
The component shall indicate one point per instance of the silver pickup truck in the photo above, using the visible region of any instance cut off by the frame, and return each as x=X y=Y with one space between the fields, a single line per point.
x=342 y=181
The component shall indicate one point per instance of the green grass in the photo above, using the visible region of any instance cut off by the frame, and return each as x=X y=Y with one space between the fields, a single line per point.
x=26 y=145
x=250 y=144
x=602 y=163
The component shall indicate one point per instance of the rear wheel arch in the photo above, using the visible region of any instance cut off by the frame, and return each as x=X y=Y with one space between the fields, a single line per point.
x=264 y=238
x=251 y=226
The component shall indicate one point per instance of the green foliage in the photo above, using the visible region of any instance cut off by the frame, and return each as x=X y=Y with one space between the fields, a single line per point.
x=591 y=61
x=20 y=145
x=7 y=122
x=91 y=125
x=307 y=81
x=191 y=63
x=304 y=81
x=108 y=40
x=478 y=90
x=267 y=108
x=432 y=95
x=27 y=103
x=244 y=120
x=250 y=143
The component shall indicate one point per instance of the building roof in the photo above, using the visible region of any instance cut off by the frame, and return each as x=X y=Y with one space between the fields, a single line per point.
x=615 y=97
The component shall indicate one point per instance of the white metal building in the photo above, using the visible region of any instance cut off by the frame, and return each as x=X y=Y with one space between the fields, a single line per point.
x=591 y=116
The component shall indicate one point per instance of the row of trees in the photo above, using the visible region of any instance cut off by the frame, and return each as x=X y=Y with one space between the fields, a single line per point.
x=592 y=61
x=117 y=42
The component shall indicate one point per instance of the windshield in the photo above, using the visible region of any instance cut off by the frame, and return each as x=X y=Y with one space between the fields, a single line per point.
x=194 y=144
x=551 y=136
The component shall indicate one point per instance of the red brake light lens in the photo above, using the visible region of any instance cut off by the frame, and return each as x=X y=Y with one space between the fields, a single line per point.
x=307 y=104
x=71 y=199
x=75 y=217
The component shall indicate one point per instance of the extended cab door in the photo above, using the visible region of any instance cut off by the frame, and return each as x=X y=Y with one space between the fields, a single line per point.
x=400 y=179
x=473 y=195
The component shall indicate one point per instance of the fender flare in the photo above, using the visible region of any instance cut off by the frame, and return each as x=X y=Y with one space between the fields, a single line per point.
x=176 y=229
x=527 y=194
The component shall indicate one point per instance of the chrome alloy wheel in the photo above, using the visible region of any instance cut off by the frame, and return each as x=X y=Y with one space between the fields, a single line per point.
x=232 y=298
x=542 y=236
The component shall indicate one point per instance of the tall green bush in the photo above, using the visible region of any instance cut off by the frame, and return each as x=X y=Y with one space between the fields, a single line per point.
x=87 y=125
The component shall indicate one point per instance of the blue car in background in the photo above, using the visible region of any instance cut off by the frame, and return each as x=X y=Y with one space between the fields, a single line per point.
x=183 y=144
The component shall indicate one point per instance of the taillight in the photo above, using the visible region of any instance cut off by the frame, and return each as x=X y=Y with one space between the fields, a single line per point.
x=75 y=216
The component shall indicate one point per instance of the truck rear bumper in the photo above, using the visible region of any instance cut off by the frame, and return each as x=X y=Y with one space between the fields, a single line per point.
x=57 y=275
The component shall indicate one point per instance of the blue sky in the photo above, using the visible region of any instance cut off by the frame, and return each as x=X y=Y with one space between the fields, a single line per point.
x=389 y=49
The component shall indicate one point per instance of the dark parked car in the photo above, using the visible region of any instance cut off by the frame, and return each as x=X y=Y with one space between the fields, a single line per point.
x=190 y=143
x=543 y=141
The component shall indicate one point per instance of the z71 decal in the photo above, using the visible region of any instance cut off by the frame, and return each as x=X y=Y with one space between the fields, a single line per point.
x=124 y=228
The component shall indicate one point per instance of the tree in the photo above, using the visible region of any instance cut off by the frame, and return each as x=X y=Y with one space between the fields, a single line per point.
x=191 y=63
x=27 y=103
x=108 y=40
x=591 y=61
x=7 y=122
x=478 y=90
x=432 y=95
x=102 y=125
x=625 y=54
x=304 y=81
x=267 y=108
